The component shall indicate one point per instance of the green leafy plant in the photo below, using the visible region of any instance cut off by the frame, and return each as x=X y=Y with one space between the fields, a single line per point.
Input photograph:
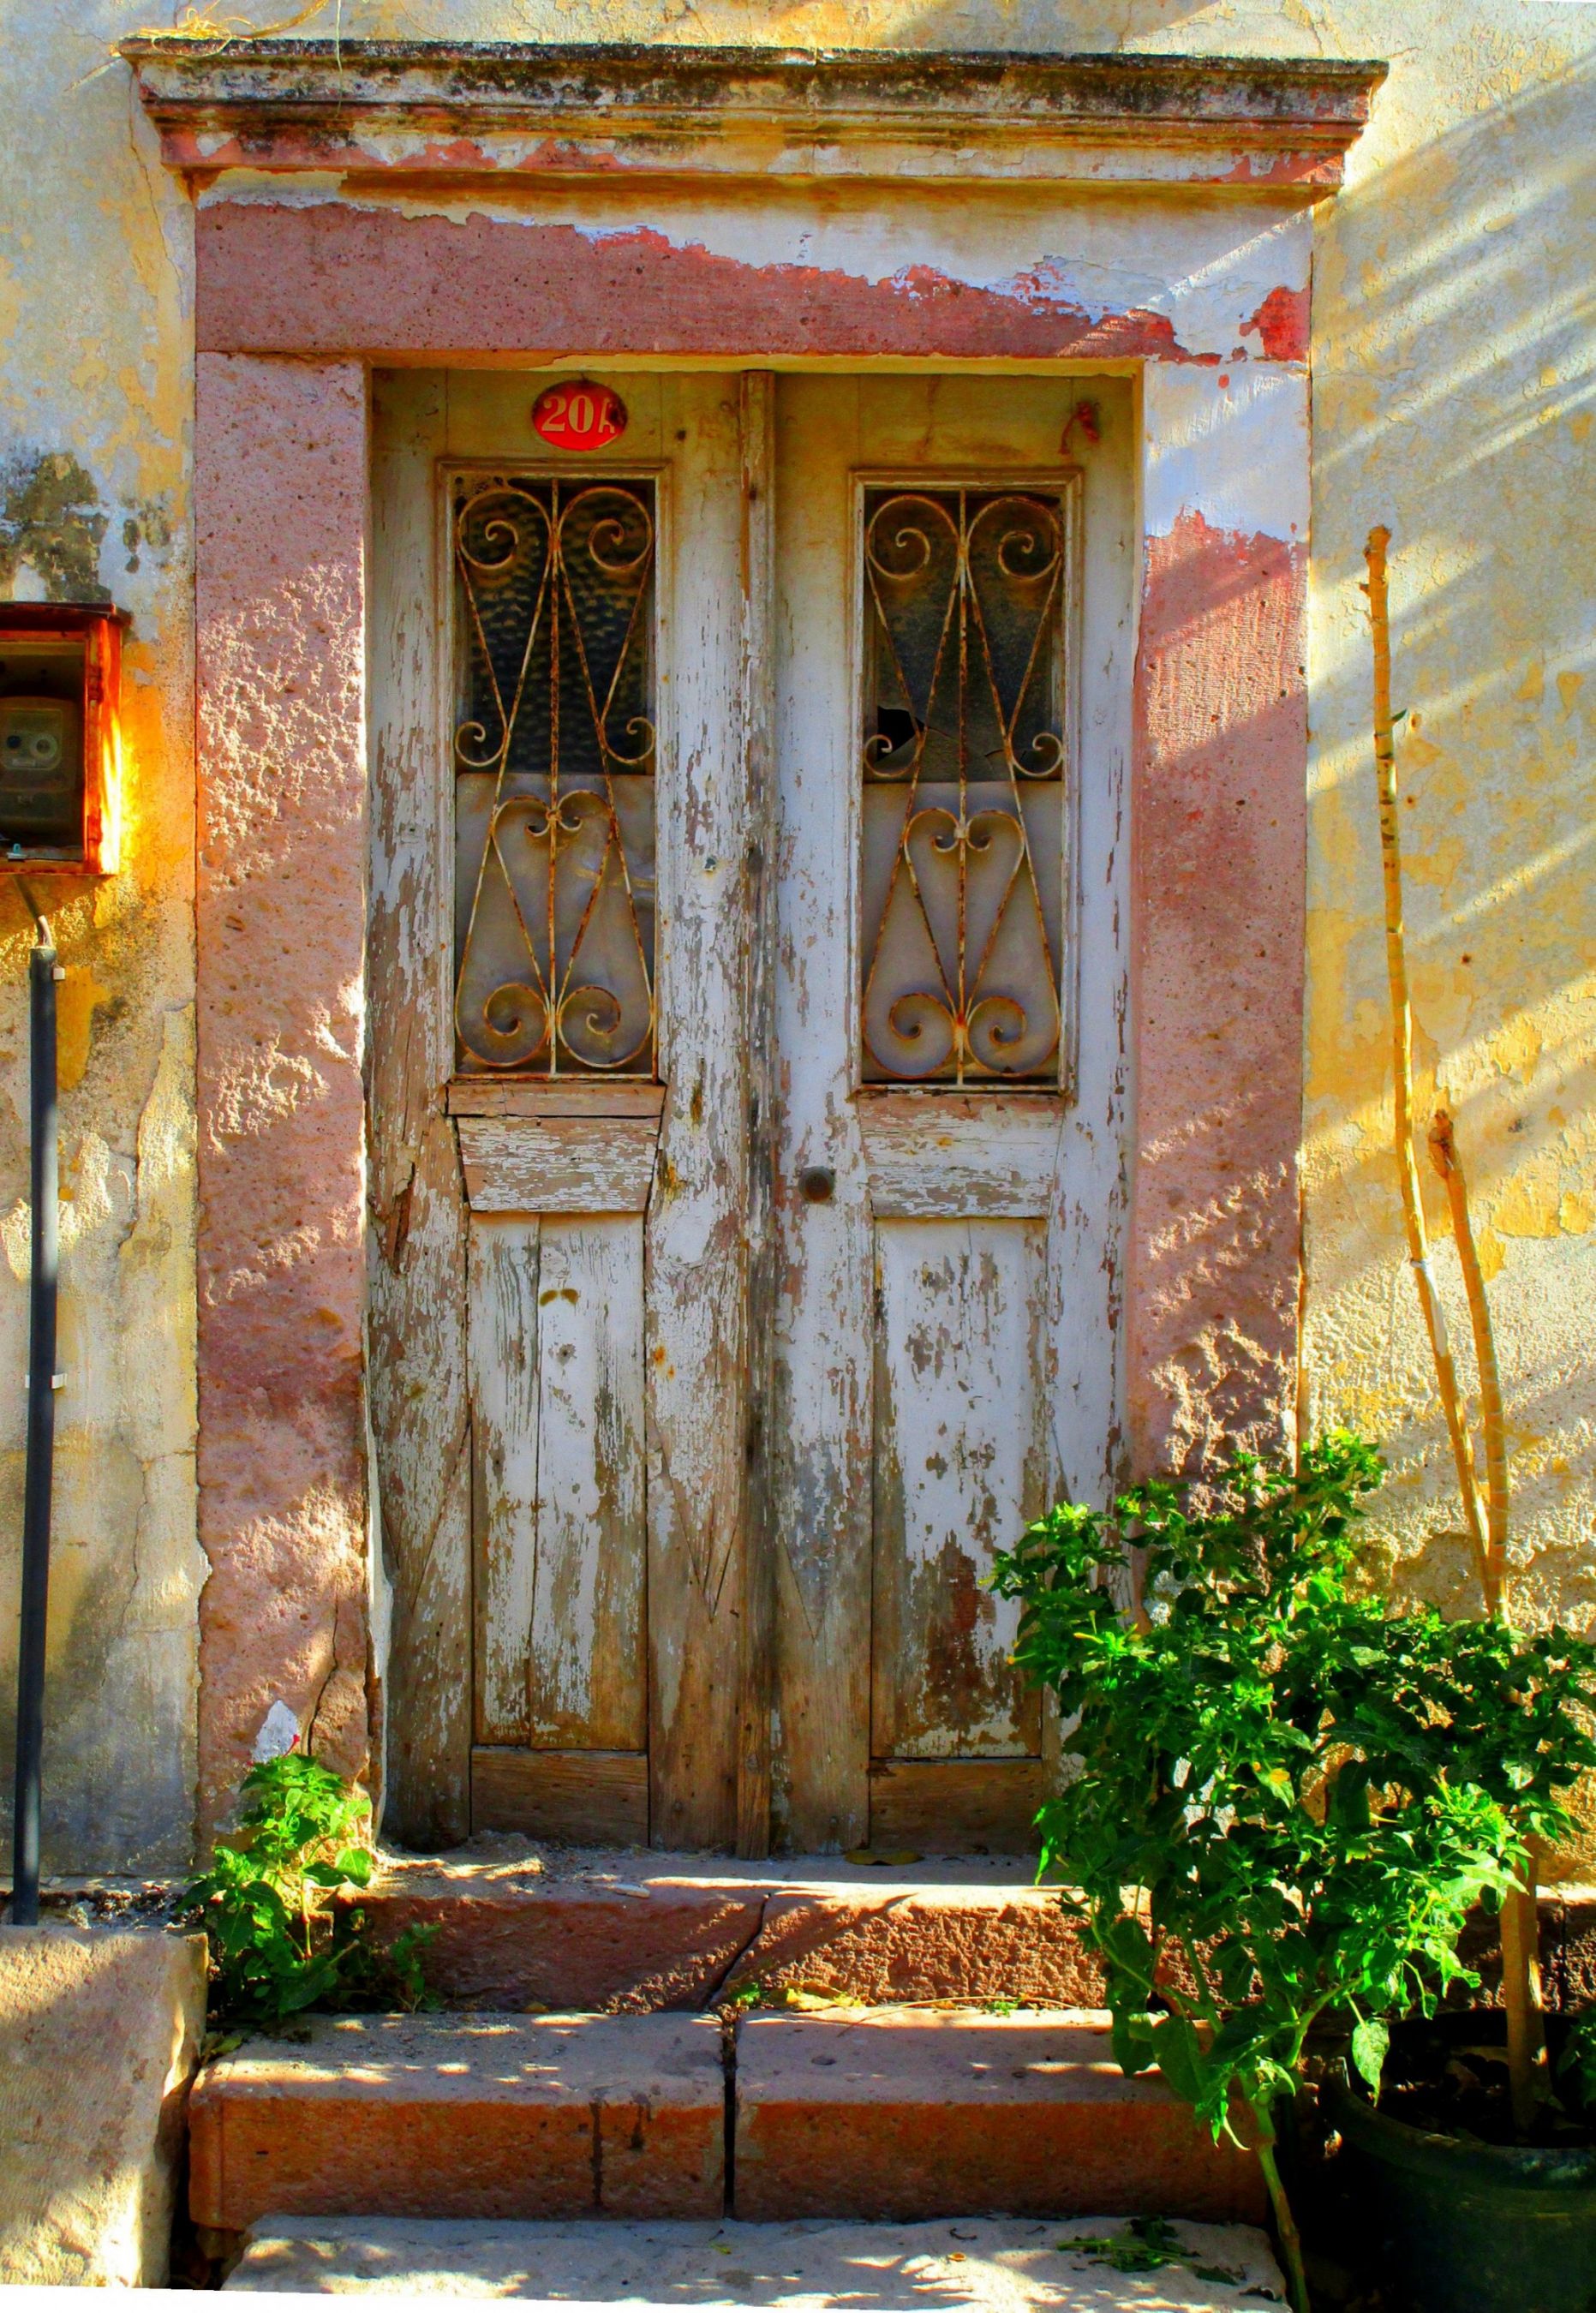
x=1287 y=1798
x=278 y=1944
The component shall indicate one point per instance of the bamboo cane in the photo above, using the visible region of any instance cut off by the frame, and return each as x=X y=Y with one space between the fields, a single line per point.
x=1488 y=1527
x=1521 y=1924
x=1418 y=1245
x=1443 y=1153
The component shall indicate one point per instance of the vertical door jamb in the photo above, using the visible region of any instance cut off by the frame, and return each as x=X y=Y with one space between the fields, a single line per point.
x=756 y=411
x=416 y=1222
x=696 y=1360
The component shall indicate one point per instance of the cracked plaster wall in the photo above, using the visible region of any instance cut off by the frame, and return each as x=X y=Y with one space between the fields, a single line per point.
x=1452 y=399
x=94 y=400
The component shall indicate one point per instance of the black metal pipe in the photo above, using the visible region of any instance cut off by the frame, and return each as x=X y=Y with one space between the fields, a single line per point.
x=37 y=1485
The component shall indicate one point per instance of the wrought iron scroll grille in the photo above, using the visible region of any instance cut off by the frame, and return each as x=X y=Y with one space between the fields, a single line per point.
x=554 y=759
x=964 y=766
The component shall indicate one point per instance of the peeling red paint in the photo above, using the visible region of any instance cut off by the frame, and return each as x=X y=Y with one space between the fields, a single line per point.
x=1219 y=821
x=287 y=149
x=332 y=279
x=1282 y=322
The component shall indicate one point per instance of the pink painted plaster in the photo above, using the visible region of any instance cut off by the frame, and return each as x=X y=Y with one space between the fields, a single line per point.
x=1219 y=820
x=327 y=278
x=280 y=492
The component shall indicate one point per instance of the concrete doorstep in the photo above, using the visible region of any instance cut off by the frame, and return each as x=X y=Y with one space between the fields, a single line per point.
x=100 y=2034
x=627 y=1931
x=1006 y=2264
x=872 y=2113
x=463 y=2116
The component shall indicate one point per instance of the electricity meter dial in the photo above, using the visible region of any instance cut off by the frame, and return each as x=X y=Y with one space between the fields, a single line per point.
x=41 y=770
x=60 y=738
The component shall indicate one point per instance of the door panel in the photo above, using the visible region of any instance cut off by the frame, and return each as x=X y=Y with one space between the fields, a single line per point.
x=556 y=1315
x=558 y=1164
x=961 y=1463
x=954 y=1807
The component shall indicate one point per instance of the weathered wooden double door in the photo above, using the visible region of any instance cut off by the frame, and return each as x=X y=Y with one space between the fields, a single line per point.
x=746 y=1014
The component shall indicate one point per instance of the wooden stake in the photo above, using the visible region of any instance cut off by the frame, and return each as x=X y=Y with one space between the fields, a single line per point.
x=1418 y=1247
x=1444 y=1152
x=1520 y=1922
x=1520 y=1998
x=1488 y=1527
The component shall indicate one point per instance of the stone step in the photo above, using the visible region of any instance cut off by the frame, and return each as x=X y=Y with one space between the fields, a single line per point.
x=629 y=1932
x=463 y=2117
x=1007 y=2265
x=898 y=2113
x=888 y=2112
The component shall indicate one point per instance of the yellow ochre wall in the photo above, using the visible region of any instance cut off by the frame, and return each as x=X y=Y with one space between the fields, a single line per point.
x=1452 y=400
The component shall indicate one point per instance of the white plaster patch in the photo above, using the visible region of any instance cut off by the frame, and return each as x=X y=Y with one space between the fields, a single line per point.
x=304 y=190
x=279 y=1733
x=1231 y=445
x=1209 y=304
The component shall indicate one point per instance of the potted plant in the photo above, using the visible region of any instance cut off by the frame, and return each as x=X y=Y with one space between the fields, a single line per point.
x=1286 y=1799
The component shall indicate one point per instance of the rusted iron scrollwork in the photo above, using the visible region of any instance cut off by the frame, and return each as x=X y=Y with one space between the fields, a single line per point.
x=555 y=747
x=964 y=764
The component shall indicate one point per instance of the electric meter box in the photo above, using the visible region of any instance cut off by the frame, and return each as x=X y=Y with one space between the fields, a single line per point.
x=60 y=736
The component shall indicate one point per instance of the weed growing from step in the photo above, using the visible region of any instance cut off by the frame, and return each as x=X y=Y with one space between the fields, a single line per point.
x=1288 y=1798
x=278 y=1944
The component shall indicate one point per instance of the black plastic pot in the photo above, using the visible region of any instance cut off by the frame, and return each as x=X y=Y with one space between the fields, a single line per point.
x=1460 y=2226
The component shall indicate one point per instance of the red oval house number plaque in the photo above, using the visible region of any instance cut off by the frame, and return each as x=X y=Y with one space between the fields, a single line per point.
x=579 y=417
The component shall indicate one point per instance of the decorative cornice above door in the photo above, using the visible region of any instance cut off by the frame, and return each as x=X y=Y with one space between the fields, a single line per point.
x=442 y=110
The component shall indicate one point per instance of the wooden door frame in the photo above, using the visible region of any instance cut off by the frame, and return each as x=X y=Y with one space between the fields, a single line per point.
x=650 y=258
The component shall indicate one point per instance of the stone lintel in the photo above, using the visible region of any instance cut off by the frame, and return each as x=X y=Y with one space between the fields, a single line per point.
x=468 y=109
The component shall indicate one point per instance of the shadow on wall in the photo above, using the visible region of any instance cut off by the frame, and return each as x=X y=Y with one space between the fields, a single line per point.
x=1453 y=396
x=1025 y=26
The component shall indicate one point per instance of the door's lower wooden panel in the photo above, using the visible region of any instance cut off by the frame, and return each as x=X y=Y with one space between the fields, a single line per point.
x=932 y=1154
x=577 y=1164
x=588 y=1799
x=956 y=1807
x=556 y=1368
x=960 y=1470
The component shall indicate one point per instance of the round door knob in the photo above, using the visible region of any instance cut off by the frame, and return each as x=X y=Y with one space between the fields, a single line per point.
x=816 y=1184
